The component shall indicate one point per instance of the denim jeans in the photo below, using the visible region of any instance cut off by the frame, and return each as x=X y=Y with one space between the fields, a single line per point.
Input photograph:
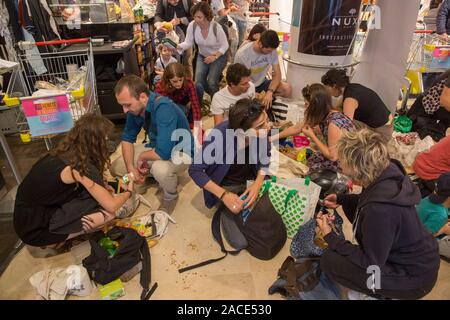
x=242 y=29
x=208 y=75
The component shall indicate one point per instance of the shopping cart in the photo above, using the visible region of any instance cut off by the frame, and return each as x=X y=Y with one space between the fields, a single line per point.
x=52 y=90
x=429 y=53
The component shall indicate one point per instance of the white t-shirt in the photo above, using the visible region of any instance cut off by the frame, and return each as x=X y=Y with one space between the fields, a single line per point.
x=161 y=64
x=258 y=63
x=207 y=46
x=216 y=6
x=223 y=99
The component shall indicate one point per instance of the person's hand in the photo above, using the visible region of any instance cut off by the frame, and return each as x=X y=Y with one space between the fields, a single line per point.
x=252 y=193
x=323 y=222
x=331 y=201
x=308 y=131
x=142 y=167
x=138 y=177
x=267 y=100
x=234 y=7
x=444 y=37
x=210 y=59
x=175 y=21
x=233 y=202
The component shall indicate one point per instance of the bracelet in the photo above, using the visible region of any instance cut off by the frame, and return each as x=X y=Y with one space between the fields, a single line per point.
x=223 y=195
x=271 y=90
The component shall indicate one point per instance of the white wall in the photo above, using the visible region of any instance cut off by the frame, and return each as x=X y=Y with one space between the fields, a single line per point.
x=384 y=58
x=284 y=7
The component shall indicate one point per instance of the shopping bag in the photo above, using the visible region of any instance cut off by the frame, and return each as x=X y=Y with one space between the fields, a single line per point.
x=294 y=199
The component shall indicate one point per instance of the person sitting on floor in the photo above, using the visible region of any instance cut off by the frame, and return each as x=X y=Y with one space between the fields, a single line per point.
x=430 y=165
x=361 y=104
x=430 y=112
x=182 y=90
x=259 y=57
x=239 y=86
x=330 y=124
x=224 y=181
x=64 y=194
x=160 y=117
x=391 y=239
x=434 y=210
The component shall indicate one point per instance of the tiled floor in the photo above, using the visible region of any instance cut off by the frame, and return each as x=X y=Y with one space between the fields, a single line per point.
x=188 y=241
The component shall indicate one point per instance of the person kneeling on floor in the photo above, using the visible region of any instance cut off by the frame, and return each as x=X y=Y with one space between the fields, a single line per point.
x=434 y=210
x=64 y=194
x=224 y=180
x=393 y=244
x=160 y=117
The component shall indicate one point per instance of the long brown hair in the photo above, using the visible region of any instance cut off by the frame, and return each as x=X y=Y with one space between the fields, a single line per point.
x=319 y=103
x=172 y=70
x=86 y=144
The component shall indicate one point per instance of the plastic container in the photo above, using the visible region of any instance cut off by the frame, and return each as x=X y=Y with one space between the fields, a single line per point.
x=301 y=141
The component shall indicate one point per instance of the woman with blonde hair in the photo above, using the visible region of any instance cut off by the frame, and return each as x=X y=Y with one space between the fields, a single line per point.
x=64 y=194
x=392 y=243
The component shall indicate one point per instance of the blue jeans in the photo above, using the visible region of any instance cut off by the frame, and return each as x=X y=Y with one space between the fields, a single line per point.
x=242 y=29
x=208 y=75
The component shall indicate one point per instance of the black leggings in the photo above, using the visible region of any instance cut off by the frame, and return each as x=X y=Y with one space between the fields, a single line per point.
x=351 y=276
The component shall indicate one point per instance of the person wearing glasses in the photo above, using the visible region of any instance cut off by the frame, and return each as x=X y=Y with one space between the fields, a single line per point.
x=224 y=180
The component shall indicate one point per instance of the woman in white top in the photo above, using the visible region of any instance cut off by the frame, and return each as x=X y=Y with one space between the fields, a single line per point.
x=212 y=45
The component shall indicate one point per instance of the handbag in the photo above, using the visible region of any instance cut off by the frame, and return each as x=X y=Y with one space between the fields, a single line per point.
x=293 y=199
x=308 y=243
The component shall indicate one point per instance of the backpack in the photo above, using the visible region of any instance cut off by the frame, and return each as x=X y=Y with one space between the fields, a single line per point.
x=297 y=276
x=185 y=5
x=262 y=228
x=132 y=250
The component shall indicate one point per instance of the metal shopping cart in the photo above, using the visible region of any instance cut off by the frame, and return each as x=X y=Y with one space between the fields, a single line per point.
x=428 y=54
x=52 y=90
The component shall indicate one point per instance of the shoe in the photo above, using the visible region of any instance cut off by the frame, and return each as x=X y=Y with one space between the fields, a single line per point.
x=168 y=205
x=355 y=295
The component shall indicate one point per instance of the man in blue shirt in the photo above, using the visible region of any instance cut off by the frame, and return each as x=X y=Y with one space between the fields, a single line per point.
x=171 y=143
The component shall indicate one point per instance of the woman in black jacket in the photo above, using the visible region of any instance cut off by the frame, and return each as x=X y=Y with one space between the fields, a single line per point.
x=396 y=257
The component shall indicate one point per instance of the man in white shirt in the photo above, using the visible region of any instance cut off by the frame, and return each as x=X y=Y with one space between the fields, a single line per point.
x=259 y=56
x=239 y=87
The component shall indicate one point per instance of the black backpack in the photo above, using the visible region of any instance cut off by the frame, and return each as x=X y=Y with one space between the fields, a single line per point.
x=132 y=249
x=296 y=276
x=263 y=229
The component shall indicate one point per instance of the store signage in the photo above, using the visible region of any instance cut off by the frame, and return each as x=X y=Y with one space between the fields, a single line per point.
x=327 y=27
x=48 y=115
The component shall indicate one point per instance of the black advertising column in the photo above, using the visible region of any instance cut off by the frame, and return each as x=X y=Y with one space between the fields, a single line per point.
x=327 y=27
x=321 y=35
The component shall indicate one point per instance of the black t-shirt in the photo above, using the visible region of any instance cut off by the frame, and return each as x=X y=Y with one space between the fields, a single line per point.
x=371 y=109
x=40 y=195
x=43 y=185
x=240 y=173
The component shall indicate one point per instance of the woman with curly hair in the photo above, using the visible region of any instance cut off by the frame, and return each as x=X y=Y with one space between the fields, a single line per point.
x=64 y=194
